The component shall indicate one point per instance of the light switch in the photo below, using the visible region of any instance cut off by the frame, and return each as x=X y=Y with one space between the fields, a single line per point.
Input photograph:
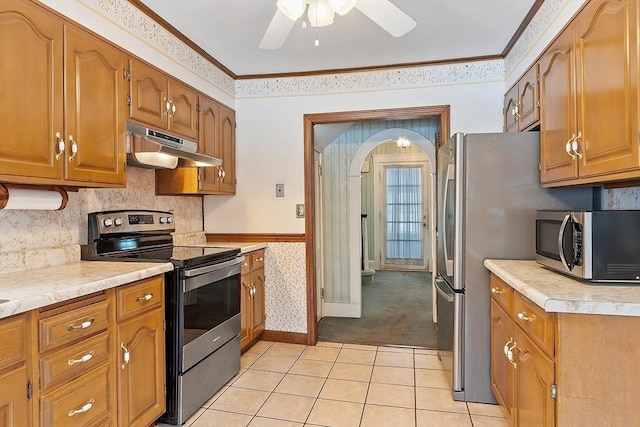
x=279 y=190
x=299 y=210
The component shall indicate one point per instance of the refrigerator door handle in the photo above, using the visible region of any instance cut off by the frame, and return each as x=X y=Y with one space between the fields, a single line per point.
x=448 y=262
x=443 y=294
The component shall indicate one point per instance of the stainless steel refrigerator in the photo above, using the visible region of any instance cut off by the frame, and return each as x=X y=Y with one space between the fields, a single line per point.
x=488 y=192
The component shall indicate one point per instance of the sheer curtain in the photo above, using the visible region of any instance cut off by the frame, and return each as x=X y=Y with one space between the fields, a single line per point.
x=404 y=215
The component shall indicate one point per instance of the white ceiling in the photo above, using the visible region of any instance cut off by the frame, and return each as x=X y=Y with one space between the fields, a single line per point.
x=231 y=30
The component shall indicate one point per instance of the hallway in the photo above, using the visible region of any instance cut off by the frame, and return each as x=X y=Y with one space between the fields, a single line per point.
x=396 y=310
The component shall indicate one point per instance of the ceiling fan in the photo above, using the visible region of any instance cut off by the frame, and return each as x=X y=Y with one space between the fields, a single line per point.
x=321 y=13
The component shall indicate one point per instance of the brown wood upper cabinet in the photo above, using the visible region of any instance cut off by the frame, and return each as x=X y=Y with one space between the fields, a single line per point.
x=589 y=95
x=62 y=103
x=522 y=103
x=217 y=137
x=162 y=102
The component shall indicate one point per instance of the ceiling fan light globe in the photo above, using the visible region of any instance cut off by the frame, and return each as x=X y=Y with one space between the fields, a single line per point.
x=320 y=14
x=342 y=7
x=292 y=9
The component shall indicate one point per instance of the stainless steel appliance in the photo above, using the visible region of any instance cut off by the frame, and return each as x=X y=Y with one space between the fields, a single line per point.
x=154 y=149
x=599 y=246
x=202 y=307
x=488 y=193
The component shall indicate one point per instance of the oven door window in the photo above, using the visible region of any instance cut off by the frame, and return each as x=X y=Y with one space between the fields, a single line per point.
x=210 y=305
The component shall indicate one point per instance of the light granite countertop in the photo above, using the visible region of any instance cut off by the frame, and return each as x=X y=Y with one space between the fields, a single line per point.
x=39 y=287
x=555 y=292
x=244 y=246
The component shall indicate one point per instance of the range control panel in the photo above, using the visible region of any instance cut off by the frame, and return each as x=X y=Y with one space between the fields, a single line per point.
x=123 y=222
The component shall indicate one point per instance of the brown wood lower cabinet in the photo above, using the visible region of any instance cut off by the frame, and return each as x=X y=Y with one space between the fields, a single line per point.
x=252 y=309
x=93 y=361
x=15 y=371
x=562 y=369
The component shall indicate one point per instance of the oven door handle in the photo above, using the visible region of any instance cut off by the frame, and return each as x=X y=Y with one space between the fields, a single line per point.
x=211 y=268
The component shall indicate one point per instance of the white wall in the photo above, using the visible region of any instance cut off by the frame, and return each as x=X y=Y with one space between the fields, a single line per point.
x=270 y=146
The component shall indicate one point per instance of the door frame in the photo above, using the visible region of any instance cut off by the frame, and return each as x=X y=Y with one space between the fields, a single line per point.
x=309 y=120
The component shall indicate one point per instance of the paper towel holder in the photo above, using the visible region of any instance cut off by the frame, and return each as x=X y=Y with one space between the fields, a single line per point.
x=6 y=191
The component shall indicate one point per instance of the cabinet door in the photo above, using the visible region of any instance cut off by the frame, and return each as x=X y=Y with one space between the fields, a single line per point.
x=227 y=150
x=148 y=92
x=502 y=372
x=607 y=83
x=208 y=138
x=511 y=110
x=257 y=320
x=32 y=113
x=557 y=121
x=94 y=116
x=183 y=116
x=246 y=303
x=535 y=375
x=529 y=99
x=15 y=408
x=141 y=369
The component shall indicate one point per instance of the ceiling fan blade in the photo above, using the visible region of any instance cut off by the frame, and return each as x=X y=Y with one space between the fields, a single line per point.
x=387 y=15
x=277 y=31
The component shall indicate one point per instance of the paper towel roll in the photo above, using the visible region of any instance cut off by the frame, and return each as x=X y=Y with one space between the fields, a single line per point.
x=32 y=198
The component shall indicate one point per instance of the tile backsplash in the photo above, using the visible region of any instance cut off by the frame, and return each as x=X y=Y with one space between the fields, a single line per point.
x=30 y=239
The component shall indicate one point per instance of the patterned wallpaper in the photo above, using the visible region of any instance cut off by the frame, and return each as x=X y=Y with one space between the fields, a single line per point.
x=286 y=287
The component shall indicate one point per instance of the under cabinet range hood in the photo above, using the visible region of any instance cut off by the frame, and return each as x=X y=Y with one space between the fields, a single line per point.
x=153 y=149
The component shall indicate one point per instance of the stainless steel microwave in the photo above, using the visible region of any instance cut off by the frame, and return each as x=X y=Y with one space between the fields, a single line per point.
x=598 y=245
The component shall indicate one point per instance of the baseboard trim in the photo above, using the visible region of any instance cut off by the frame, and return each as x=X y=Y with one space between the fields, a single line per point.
x=287 y=337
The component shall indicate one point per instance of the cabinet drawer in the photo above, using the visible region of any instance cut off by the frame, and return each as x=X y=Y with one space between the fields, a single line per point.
x=72 y=325
x=139 y=297
x=71 y=362
x=257 y=260
x=537 y=323
x=13 y=340
x=246 y=264
x=502 y=293
x=79 y=403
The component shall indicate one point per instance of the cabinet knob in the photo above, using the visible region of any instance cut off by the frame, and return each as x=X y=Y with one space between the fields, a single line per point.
x=526 y=317
x=74 y=148
x=83 y=359
x=60 y=146
x=83 y=325
x=83 y=408
x=497 y=291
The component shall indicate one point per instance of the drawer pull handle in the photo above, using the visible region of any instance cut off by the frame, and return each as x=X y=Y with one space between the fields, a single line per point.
x=84 y=408
x=146 y=297
x=259 y=259
x=497 y=291
x=526 y=317
x=125 y=356
x=83 y=359
x=83 y=325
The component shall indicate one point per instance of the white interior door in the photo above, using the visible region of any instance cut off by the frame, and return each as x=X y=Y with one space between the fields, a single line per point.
x=317 y=160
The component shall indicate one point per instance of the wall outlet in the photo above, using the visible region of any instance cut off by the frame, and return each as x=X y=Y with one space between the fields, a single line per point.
x=279 y=190
x=300 y=210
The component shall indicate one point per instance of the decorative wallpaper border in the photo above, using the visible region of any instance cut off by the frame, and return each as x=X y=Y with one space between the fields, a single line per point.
x=127 y=16
x=366 y=81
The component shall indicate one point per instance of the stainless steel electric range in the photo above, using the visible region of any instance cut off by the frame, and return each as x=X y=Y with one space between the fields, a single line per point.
x=202 y=307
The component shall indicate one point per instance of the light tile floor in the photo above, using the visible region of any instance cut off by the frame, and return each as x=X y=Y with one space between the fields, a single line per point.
x=340 y=385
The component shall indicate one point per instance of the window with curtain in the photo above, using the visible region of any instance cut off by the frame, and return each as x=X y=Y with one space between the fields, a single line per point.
x=404 y=215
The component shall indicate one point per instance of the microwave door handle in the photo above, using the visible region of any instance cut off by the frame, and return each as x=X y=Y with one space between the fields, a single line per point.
x=563 y=227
